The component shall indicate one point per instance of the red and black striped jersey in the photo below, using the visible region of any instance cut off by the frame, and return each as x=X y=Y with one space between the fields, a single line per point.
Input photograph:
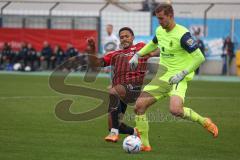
x=119 y=60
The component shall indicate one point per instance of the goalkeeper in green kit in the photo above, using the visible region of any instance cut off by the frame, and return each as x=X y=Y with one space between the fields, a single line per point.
x=179 y=57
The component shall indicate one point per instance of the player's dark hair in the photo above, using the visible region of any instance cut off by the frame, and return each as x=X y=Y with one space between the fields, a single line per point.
x=126 y=29
x=166 y=7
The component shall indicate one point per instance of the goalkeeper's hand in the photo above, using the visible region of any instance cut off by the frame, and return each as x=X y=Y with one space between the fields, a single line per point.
x=133 y=62
x=178 y=77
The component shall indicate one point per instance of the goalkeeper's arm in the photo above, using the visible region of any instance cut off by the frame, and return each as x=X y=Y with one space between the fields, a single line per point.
x=191 y=46
x=197 y=59
x=149 y=48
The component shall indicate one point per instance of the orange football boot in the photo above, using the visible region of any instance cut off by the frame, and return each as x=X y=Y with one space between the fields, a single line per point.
x=211 y=127
x=143 y=148
x=146 y=148
x=112 y=137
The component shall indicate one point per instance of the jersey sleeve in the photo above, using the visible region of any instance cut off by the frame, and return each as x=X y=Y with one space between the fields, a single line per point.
x=197 y=59
x=108 y=58
x=148 y=48
x=188 y=43
x=140 y=45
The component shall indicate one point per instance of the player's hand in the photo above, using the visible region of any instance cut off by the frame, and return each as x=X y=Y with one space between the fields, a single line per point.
x=91 y=44
x=178 y=77
x=133 y=62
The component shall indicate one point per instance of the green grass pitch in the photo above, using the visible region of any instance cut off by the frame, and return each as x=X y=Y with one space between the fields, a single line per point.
x=29 y=129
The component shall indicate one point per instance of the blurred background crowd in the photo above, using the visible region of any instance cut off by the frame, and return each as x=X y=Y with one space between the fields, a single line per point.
x=27 y=58
x=40 y=35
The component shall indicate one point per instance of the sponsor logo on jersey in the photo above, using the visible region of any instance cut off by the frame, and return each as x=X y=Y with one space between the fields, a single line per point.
x=167 y=55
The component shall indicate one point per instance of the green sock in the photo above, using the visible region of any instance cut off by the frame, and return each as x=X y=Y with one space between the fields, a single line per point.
x=193 y=116
x=142 y=126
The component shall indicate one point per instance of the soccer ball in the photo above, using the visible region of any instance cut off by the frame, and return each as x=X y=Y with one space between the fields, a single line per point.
x=27 y=68
x=132 y=144
x=17 y=66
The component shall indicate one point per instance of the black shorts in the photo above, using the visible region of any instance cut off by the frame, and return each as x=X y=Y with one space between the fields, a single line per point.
x=132 y=93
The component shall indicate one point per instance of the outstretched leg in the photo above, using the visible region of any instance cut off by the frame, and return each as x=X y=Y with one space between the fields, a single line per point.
x=144 y=101
x=177 y=108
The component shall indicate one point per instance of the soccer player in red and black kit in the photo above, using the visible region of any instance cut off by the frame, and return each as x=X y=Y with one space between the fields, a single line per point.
x=126 y=83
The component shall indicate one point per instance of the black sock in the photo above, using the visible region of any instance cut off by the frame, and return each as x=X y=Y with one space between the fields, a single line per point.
x=118 y=108
x=114 y=110
x=123 y=107
x=124 y=129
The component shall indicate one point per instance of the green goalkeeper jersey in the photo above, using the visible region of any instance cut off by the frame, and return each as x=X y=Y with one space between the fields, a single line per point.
x=178 y=51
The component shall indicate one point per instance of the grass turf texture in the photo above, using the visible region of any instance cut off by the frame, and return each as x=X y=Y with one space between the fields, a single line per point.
x=29 y=129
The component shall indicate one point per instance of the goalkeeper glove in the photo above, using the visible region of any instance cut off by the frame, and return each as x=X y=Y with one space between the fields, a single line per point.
x=133 y=62
x=178 y=77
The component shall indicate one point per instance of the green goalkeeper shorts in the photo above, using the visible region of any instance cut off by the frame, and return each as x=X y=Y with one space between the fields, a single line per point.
x=163 y=89
x=160 y=88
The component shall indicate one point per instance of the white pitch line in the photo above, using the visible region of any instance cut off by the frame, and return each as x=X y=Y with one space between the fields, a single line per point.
x=30 y=97
x=213 y=98
x=75 y=96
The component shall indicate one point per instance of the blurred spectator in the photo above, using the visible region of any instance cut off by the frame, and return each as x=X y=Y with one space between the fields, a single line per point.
x=201 y=45
x=202 y=48
x=150 y=5
x=10 y=55
x=110 y=42
x=31 y=57
x=57 y=57
x=146 y=5
x=46 y=54
x=7 y=56
x=22 y=55
x=228 y=54
x=238 y=61
x=5 y=51
x=71 y=51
